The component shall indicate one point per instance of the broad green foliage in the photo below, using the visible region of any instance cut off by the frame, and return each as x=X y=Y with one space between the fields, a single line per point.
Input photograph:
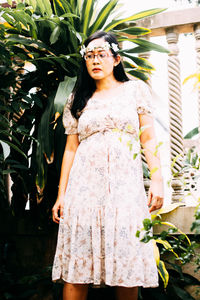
x=180 y=243
x=46 y=37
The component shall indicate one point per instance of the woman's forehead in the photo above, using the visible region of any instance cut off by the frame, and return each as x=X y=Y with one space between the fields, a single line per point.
x=97 y=43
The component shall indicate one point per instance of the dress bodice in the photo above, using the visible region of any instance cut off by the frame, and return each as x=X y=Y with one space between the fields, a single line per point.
x=116 y=112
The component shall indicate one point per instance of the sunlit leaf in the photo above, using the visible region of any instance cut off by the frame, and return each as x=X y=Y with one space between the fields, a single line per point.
x=103 y=15
x=167 y=246
x=156 y=252
x=163 y=273
x=141 y=62
x=135 y=17
x=173 y=226
x=87 y=13
x=133 y=31
x=138 y=74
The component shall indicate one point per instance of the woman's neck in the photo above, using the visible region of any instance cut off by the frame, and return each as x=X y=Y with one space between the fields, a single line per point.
x=106 y=84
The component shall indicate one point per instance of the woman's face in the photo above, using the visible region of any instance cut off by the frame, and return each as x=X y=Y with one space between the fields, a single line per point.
x=100 y=62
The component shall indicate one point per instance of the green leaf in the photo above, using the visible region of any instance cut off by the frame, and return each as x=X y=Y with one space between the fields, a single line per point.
x=9 y=171
x=88 y=6
x=44 y=132
x=163 y=273
x=55 y=35
x=167 y=246
x=135 y=155
x=103 y=16
x=156 y=252
x=67 y=15
x=173 y=226
x=18 y=16
x=137 y=49
x=33 y=3
x=133 y=31
x=64 y=89
x=15 y=39
x=137 y=234
x=135 y=17
x=45 y=142
x=138 y=74
x=6 y=133
x=182 y=294
x=47 y=5
x=14 y=147
x=44 y=7
x=61 y=7
x=149 y=45
x=141 y=62
x=147 y=224
x=192 y=133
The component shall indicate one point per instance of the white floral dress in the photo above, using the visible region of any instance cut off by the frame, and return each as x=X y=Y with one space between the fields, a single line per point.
x=105 y=200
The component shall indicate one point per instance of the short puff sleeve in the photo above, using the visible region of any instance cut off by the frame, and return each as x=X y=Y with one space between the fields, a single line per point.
x=143 y=99
x=69 y=122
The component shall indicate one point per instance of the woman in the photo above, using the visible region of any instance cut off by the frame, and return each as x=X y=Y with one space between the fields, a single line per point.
x=101 y=200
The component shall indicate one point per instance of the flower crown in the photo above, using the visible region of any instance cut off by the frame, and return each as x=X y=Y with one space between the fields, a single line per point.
x=104 y=46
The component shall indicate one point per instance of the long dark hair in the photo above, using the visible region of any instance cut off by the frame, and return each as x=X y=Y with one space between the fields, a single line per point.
x=85 y=85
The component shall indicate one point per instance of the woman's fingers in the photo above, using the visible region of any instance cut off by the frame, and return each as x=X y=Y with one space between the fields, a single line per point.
x=57 y=211
x=55 y=216
x=157 y=203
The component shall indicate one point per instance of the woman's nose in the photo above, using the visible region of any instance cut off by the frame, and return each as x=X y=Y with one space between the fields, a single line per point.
x=95 y=59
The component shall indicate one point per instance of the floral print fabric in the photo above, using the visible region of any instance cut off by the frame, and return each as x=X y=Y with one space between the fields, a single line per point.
x=105 y=200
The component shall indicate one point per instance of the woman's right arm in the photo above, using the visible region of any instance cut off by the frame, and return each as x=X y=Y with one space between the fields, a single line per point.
x=68 y=158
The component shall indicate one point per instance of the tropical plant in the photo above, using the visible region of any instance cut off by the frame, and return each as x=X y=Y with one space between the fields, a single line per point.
x=43 y=40
x=182 y=249
x=156 y=220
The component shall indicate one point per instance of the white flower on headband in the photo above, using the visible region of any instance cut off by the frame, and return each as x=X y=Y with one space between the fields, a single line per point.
x=83 y=50
x=104 y=46
x=115 y=47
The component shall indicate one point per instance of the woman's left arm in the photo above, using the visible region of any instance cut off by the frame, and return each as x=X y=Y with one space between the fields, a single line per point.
x=148 y=142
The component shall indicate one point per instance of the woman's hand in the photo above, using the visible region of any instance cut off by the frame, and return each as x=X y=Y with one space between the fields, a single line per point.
x=57 y=210
x=156 y=195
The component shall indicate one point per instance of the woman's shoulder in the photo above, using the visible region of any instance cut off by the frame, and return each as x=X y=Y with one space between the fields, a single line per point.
x=136 y=82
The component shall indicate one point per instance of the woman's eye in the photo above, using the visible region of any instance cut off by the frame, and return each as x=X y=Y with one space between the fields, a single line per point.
x=102 y=55
x=89 y=56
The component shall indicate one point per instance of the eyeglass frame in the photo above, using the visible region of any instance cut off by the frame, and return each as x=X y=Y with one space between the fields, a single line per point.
x=98 y=56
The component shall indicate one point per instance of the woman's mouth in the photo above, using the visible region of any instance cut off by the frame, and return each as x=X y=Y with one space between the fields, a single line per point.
x=96 y=70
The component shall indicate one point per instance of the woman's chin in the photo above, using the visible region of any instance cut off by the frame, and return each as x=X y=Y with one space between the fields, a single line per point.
x=97 y=76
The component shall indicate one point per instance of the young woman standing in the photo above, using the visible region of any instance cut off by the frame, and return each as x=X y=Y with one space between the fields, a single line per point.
x=101 y=200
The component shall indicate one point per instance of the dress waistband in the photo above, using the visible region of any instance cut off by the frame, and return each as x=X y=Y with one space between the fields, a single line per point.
x=129 y=130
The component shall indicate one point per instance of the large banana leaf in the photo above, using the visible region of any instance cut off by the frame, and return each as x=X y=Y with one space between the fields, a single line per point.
x=45 y=142
x=64 y=89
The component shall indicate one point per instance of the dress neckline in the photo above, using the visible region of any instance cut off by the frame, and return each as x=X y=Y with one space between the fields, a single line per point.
x=112 y=94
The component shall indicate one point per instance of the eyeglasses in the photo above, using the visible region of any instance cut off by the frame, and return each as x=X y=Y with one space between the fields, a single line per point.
x=100 y=56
